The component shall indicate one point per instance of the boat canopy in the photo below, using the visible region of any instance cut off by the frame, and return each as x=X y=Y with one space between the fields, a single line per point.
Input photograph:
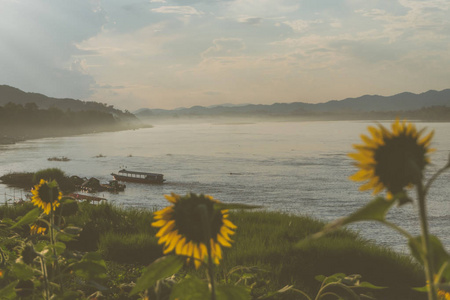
x=123 y=171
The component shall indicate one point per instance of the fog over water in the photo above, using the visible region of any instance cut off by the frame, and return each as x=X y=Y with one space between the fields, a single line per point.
x=294 y=167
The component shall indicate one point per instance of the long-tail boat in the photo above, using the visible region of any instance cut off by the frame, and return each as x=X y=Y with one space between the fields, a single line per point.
x=139 y=177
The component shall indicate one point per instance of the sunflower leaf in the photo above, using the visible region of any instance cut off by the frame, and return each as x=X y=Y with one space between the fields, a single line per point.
x=159 y=269
x=190 y=289
x=369 y=285
x=8 y=292
x=438 y=253
x=29 y=218
x=232 y=292
x=375 y=210
x=91 y=266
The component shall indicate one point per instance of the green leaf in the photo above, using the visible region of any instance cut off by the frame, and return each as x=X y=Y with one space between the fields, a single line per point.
x=438 y=253
x=159 y=269
x=52 y=184
x=368 y=285
x=72 y=230
x=375 y=210
x=89 y=270
x=94 y=257
x=7 y=221
x=190 y=289
x=22 y=271
x=40 y=246
x=8 y=292
x=320 y=278
x=91 y=266
x=69 y=233
x=59 y=248
x=65 y=237
x=421 y=289
x=29 y=218
x=231 y=292
x=333 y=278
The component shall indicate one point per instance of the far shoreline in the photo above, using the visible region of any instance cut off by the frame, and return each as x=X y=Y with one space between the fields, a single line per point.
x=11 y=139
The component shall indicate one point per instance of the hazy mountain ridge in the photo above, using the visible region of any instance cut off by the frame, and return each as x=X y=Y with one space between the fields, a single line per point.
x=14 y=95
x=30 y=115
x=368 y=103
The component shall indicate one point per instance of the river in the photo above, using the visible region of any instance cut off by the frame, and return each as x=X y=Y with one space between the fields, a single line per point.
x=294 y=167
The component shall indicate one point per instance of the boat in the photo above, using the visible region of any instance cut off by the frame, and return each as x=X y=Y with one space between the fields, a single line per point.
x=139 y=177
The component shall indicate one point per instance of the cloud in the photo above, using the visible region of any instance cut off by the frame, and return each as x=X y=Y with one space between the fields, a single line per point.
x=38 y=44
x=250 y=20
x=180 y=10
x=183 y=52
x=224 y=47
x=301 y=25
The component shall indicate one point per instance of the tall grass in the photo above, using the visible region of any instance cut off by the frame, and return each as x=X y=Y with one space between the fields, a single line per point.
x=268 y=240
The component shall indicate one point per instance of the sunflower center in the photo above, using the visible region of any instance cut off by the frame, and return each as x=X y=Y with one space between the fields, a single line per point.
x=188 y=218
x=48 y=194
x=399 y=162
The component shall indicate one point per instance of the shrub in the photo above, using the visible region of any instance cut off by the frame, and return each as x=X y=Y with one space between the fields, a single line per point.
x=65 y=184
x=137 y=248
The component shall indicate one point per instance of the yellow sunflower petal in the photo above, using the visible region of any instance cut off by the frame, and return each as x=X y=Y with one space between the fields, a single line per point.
x=228 y=223
x=159 y=223
x=362 y=175
x=223 y=241
x=180 y=245
x=427 y=139
x=168 y=227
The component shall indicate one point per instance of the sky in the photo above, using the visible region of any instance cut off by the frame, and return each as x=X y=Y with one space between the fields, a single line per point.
x=182 y=53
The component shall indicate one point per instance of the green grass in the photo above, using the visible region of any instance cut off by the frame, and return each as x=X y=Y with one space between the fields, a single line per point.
x=268 y=240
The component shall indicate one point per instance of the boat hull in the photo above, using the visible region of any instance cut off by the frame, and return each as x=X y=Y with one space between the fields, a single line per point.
x=137 y=179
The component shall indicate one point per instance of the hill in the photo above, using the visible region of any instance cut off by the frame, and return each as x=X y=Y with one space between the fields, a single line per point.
x=366 y=106
x=9 y=94
x=29 y=115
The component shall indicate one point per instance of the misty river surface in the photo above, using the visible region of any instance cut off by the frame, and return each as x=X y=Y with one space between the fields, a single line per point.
x=294 y=167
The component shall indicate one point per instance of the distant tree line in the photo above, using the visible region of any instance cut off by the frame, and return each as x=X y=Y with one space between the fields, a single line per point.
x=28 y=115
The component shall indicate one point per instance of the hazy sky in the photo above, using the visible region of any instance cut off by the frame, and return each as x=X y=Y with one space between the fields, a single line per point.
x=181 y=53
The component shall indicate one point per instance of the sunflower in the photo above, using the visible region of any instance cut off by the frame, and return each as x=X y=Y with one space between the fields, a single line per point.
x=182 y=230
x=443 y=295
x=36 y=229
x=391 y=160
x=46 y=195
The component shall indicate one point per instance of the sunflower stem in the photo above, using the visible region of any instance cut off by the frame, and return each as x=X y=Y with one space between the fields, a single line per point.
x=44 y=272
x=207 y=237
x=428 y=260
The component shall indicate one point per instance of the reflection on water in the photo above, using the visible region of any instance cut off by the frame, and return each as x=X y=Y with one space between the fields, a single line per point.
x=299 y=168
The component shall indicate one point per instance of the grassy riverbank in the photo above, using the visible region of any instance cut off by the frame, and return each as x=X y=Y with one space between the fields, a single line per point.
x=266 y=240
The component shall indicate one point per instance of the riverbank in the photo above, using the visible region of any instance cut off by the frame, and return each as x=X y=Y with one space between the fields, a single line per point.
x=12 y=135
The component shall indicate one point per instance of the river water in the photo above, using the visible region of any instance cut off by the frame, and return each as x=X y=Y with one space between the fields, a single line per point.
x=294 y=167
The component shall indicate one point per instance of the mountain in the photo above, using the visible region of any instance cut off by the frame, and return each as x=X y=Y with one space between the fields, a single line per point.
x=361 y=105
x=14 y=95
x=26 y=116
